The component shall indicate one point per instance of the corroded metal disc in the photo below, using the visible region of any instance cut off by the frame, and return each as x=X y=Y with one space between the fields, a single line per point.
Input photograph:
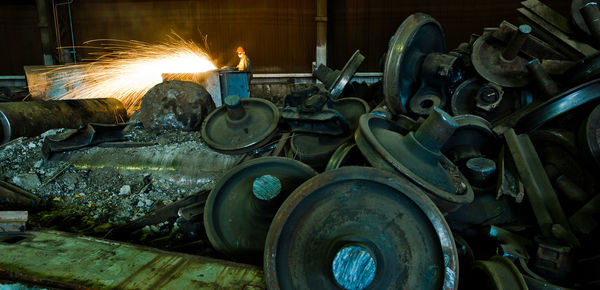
x=418 y=36
x=380 y=141
x=259 y=126
x=401 y=238
x=487 y=62
x=236 y=221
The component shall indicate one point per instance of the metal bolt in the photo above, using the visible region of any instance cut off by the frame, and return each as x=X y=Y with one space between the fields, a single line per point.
x=516 y=42
x=235 y=110
x=266 y=187
x=591 y=16
x=488 y=94
x=542 y=78
x=353 y=267
x=436 y=130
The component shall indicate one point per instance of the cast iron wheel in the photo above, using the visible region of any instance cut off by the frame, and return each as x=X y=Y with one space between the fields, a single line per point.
x=360 y=228
x=380 y=142
x=418 y=36
x=235 y=218
x=254 y=130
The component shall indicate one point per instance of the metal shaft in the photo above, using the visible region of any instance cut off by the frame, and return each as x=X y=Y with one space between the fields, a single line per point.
x=30 y=119
x=436 y=130
x=544 y=202
x=516 y=42
x=235 y=110
x=542 y=78
x=591 y=16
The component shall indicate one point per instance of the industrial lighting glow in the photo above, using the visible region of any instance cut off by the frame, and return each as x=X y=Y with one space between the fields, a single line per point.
x=126 y=70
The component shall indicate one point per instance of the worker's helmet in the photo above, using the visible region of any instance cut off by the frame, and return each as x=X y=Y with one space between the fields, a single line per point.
x=240 y=49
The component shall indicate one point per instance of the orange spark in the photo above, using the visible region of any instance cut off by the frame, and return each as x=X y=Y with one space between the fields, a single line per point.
x=126 y=70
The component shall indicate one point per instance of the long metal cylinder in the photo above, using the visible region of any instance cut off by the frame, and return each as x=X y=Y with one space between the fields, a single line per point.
x=591 y=16
x=28 y=119
x=542 y=78
x=436 y=130
x=516 y=42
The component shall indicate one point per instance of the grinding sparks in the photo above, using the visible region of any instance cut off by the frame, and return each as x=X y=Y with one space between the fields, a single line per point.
x=126 y=70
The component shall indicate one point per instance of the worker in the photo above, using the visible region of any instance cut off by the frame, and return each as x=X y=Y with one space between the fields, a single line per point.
x=244 y=64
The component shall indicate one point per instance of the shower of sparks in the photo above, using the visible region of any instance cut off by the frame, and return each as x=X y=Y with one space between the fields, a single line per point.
x=126 y=70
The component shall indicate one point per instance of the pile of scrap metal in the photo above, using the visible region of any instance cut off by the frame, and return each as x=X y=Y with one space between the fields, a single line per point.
x=497 y=174
x=483 y=159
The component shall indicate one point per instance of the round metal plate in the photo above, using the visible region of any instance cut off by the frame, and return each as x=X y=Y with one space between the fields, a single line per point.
x=236 y=222
x=401 y=229
x=346 y=74
x=464 y=98
x=417 y=36
x=256 y=131
x=592 y=134
x=486 y=61
x=379 y=141
x=554 y=107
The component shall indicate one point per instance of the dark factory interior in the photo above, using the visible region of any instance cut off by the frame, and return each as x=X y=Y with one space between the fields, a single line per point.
x=299 y=144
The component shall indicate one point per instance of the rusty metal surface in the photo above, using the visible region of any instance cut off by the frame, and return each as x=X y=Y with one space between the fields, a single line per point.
x=487 y=60
x=89 y=262
x=381 y=212
x=236 y=218
x=416 y=37
x=256 y=125
x=32 y=118
x=417 y=156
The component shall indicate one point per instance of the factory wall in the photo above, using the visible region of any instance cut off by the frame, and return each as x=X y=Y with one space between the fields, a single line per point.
x=279 y=35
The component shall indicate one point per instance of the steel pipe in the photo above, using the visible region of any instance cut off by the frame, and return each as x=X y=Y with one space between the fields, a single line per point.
x=28 y=119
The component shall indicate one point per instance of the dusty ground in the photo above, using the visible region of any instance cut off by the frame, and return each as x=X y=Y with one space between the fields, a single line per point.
x=98 y=199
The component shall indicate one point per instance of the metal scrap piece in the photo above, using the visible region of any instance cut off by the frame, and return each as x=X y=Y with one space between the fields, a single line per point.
x=573 y=48
x=534 y=116
x=90 y=135
x=541 y=195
